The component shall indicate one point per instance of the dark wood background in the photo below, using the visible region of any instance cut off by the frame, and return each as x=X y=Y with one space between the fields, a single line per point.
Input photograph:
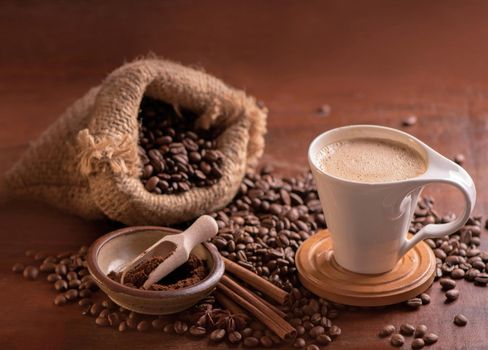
x=370 y=61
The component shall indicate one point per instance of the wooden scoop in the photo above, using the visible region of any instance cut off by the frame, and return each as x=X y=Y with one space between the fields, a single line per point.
x=175 y=249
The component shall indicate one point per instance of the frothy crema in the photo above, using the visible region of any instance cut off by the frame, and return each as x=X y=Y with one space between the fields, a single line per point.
x=371 y=160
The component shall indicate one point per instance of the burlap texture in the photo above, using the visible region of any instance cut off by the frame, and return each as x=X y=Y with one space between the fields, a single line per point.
x=87 y=161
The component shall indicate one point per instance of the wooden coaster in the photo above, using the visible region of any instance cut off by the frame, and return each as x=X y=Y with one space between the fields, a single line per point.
x=321 y=274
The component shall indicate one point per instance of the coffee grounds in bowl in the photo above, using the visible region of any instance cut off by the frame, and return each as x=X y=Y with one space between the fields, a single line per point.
x=188 y=274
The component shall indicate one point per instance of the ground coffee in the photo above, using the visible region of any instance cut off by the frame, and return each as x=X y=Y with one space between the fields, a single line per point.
x=188 y=274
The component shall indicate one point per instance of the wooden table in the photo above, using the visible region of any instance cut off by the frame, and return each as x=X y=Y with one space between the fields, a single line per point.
x=371 y=62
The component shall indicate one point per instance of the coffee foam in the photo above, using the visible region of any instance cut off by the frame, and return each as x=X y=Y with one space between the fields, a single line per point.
x=371 y=160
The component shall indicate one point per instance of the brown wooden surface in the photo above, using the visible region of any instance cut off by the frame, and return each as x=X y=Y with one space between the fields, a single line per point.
x=371 y=61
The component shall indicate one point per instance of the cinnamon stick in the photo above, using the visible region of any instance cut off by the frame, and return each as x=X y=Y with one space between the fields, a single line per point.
x=255 y=306
x=229 y=304
x=266 y=287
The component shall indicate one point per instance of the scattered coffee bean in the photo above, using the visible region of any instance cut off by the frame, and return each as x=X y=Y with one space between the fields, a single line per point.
x=197 y=331
x=71 y=294
x=143 y=326
x=299 y=343
x=397 y=340
x=168 y=328
x=323 y=339
x=180 y=327
x=414 y=303
x=102 y=322
x=410 y=120
x=459 y=159
x=447 y=283
x=219 y=334
x=234 y=337
x=85 y=302
x=418 y=343
x=53 y=277
x=430 y=339
x=122 y=326
x=324 y=110
x=31 y=273
x=313 y=347
x=425 y=298
x=452 y=295
x=387 y=331
x=457 y=274
x=460 y=320
x=18 y=268
x=251 y=342
x=61 y=285
x=60 y=299
x=420 y=331
x=407 y=329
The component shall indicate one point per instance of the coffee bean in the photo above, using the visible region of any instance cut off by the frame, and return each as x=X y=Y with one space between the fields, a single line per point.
x=407 y=329
x=60 y=299
x=266 y=341
x=387 y=331
x=85 y=293
x=85 y=302
x=418 y=343
x=460 y=320
x=61 y=269
x=71 y=294
x=316 y=331
x=95 y=309
x=157 y=324
x=31 y=273
x=447 y=283
x=452 y=295
x=457 y=274
x=414 y=303
x=334 y=331
x=53 y=277
x=143 y=326
x=251 y=342
x=481 y=279
x=313 y=347
x=420 y=331
x=197 y=331
x=61 y=285
x=168 y=328
x=430 y=339
x=122 y=326
x=18 y=268
x=102 y=322
x=397 y=340
x=234 y=337
x=323 y=339
x=459 y=158
x=410 y=120
x=299 y=343
x=425 y=298
x=219 y=334
x=180 y=327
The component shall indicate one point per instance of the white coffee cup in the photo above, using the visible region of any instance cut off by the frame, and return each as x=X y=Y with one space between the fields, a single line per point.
x=368 y=222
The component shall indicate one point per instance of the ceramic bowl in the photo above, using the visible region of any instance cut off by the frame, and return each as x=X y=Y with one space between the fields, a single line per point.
x=116 y=248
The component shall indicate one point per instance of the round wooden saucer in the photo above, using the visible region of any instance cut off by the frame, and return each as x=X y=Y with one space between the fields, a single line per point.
x=322 y=275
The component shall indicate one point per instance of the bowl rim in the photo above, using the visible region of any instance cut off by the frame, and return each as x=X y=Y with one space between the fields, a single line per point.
x=211 y=280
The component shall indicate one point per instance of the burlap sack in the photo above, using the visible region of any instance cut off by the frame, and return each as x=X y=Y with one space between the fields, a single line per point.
x=87 y=161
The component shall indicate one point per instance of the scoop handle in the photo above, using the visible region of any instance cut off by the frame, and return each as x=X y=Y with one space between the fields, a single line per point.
x=205 y=227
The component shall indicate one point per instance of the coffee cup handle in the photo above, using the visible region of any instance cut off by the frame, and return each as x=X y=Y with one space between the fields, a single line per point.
x=443 y=170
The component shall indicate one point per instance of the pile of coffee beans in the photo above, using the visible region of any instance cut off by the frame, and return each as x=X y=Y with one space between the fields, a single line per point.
x=261 y=229
x=267 y=221
x=175 y=154
x=420 y=336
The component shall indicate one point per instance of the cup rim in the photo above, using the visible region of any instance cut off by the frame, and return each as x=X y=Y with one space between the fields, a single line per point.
x=367 y=126
x=214 y=275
